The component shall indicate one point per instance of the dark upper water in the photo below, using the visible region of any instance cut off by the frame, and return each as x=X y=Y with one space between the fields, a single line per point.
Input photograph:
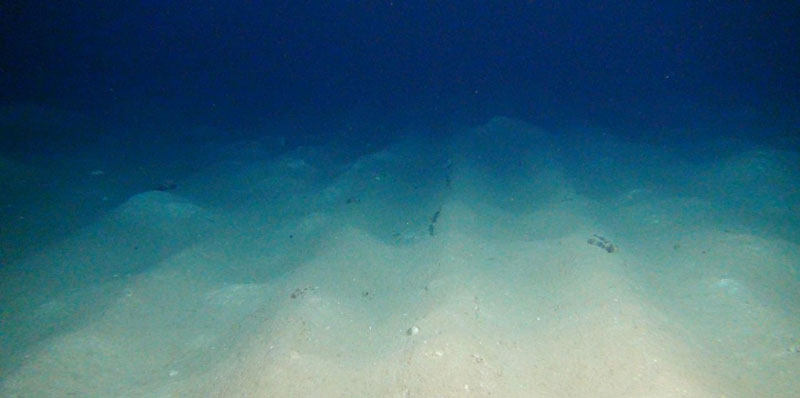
x=308 y=66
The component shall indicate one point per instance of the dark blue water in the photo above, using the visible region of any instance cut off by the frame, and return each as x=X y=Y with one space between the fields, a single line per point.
x=627 y=65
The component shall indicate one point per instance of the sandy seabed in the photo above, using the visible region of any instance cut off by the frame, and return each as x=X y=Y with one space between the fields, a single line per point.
x=475 y=265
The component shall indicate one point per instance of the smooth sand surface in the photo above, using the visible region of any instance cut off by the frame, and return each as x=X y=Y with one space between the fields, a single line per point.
x=429 y=268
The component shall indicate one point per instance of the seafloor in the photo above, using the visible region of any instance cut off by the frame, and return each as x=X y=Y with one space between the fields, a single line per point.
x=501 y=260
